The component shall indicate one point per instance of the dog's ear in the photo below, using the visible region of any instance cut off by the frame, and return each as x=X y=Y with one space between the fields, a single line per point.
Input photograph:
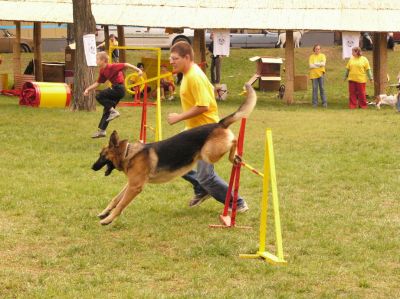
x=114 y=139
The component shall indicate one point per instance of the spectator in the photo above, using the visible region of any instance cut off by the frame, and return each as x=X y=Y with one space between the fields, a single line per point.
x=215 y=63
x=113 y=41
x=167 y=84
x=144 y=76
x=357 y=70
x=317 y=63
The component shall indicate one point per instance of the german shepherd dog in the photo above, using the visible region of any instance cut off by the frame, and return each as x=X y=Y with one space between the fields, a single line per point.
x=160 y=162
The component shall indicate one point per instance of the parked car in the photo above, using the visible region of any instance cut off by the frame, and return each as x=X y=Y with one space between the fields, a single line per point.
x=264 y=39
x=147 y=37
x=158 y=37
x=7 y=41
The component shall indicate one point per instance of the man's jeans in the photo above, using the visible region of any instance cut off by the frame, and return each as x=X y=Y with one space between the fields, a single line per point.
x=318 y=82
x=210 y=182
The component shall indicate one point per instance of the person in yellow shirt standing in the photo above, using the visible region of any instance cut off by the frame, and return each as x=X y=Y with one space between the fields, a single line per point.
x=115 y=53
x=357 y=70
x=199 y=108
x=317 y=63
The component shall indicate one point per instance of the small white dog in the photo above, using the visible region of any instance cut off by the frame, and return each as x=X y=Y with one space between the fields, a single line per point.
x=384 y=99
x=297 y=35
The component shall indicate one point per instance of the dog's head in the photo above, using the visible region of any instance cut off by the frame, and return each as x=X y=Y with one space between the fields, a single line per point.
x=111 y=155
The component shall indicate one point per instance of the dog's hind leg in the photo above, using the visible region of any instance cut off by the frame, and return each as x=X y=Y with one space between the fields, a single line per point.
x=113 y=203
x=133 y=188
x=232 y=152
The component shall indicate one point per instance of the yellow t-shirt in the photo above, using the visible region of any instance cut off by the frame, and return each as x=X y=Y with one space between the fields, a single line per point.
x=358 y=67
x=317 y=72
x=196 y=90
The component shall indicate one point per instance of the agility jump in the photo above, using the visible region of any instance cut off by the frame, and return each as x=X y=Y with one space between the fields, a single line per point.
x=269 y=179
x=141 y=85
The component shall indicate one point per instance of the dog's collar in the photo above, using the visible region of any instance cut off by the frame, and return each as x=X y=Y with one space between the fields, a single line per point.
x=127 y=150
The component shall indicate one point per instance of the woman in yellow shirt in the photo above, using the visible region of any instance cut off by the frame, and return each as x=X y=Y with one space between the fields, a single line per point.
x=317 y=63
x=113 y=41
x=357 y=70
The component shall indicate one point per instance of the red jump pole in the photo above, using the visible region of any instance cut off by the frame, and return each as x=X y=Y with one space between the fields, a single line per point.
x=144 y=116
x=234 y=183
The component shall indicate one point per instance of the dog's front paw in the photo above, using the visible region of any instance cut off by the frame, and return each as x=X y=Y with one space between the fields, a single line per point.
x=104 y=214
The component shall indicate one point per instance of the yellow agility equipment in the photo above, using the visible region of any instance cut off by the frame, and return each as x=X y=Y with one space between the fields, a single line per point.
x=158 y=130
x=269 y=177
x=137 y=81
x=142 y=81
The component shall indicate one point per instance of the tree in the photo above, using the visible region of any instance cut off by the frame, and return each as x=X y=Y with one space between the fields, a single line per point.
x=84 y=23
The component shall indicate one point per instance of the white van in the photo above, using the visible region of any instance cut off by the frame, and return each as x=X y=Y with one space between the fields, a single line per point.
x=147 y=37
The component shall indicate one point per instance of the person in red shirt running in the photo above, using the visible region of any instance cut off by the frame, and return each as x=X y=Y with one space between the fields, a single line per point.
x=109 y=97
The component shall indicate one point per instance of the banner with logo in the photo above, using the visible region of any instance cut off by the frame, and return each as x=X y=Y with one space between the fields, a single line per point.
x=350 y=40
x=222 y=41
x=89 y=44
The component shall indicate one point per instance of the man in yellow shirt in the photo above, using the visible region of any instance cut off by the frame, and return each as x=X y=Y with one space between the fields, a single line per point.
x=317 y=63
x=199 y=108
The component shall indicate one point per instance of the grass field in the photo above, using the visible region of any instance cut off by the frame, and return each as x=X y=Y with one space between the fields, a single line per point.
x=338 y=181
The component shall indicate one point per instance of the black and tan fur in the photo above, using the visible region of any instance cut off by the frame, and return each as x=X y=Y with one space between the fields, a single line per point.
x=160 y=162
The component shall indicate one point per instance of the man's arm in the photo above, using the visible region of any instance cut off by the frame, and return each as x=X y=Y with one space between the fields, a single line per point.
x=173 y=118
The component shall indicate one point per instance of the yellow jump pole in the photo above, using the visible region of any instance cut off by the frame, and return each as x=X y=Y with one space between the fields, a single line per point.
x=158 y=112
x=275 y=200
x=269 y=174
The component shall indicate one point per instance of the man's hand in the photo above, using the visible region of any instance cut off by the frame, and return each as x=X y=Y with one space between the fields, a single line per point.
x=86 y=93
x=173 y=118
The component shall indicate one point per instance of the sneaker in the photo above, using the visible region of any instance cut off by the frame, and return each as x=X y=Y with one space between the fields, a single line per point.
x=170 y=98
x=113 y=114
x=99 y=134
x=325 y=105
x=198 y=199
x=241 y=208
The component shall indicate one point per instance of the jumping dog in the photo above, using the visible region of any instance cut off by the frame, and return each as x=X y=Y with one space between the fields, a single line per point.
x=160 y=162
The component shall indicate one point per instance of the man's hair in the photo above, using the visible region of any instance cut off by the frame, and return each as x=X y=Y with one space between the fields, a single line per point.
x=103 y=56
x=182 y=49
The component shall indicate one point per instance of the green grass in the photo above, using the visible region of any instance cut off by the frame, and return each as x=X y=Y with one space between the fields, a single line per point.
x=338 y=182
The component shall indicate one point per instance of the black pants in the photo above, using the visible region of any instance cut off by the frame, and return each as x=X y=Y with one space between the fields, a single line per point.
x=215 y=69
x=109 y=98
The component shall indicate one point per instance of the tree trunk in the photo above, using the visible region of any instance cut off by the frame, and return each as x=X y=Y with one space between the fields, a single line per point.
x=289 y=67
x=84 y=23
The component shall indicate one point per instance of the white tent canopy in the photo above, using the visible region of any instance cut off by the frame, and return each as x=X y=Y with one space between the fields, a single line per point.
x=341 y=15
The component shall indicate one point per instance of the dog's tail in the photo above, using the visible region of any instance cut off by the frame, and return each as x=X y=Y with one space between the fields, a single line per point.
x=244 y=110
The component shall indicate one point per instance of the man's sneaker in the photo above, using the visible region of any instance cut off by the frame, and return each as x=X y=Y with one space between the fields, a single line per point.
x=99 y=134
x=198 y=199
x=113 y=114
x=241 y=208
x=170 y=98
